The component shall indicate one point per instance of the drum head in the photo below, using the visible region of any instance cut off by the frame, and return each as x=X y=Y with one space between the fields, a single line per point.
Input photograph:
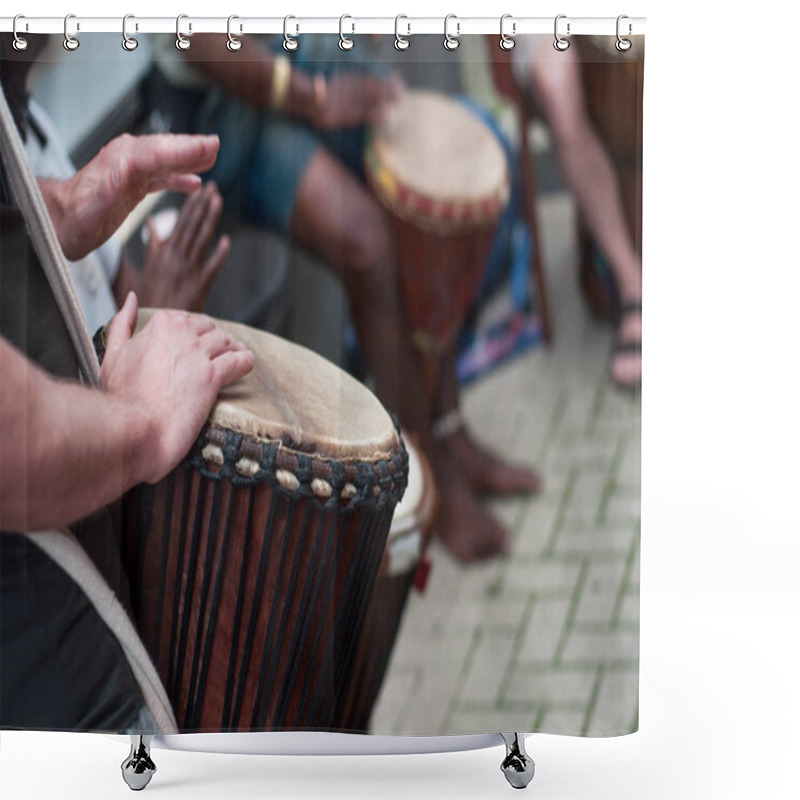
x=302 y=400
x=434 y=155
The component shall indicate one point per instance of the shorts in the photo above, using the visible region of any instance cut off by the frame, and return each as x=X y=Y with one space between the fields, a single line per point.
x=264 y=156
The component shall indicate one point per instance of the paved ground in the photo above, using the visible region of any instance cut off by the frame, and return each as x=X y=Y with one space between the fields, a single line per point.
x=546 y=640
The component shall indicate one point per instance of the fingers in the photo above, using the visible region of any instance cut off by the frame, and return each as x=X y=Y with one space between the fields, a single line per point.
x=231 y=366
x=211 y=210
x=200 y=323
x=217 y=341
x=215 y=261
x=182 y=184
x=123 y=325
x=380 y=95
x=163 y=154
x=397 y=86
x=189 y=220
x=155 y=243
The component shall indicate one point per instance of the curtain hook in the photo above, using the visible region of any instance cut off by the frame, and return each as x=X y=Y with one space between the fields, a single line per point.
x=623 y=45
x=561 y=43
x=289 y=43
x=506 y=42
x=401 y=42
x=20 y=43
x=181 y=41
x=345 y=42
x=71 y=43
x=233 y=44
x=451 y=42
x=128 y=42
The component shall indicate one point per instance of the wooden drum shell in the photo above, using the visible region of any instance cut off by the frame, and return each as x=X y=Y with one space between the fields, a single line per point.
x=387 y=604
x=251 y=565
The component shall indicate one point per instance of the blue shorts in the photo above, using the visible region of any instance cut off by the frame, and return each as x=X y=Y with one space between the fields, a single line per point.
x=264 y=156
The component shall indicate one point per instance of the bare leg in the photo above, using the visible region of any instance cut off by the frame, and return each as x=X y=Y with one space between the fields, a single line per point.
x=587 y=170
x=338 y=219
x=486 y=472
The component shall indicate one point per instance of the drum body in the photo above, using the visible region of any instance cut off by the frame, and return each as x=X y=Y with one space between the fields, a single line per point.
x=408 y=540
x=443 y=176
x=252 y=563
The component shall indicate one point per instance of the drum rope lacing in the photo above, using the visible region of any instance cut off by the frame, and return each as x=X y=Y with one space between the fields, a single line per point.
x=227 y=455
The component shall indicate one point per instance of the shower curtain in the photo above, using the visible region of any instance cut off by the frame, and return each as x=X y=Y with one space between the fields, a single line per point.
x=500 y=192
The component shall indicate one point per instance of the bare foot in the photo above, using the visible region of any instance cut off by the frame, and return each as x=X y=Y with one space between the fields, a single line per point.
x=626 y=358
x=468 y=531
x=485 y=472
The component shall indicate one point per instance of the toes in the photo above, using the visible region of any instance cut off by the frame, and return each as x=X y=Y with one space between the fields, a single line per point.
x=626 y=369
x=469 y=532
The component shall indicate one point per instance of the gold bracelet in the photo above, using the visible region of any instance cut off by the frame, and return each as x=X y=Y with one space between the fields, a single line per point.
x=320 y=97
x=279 y=90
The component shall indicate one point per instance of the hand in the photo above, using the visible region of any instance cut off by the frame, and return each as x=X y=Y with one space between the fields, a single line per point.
x=90 y=206
x=168 y=376
x=176 y=272
x=356 y=98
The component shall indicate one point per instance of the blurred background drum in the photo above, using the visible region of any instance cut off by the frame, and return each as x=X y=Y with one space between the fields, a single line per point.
x=251 y=564
x=443 y=176
x=403 y=566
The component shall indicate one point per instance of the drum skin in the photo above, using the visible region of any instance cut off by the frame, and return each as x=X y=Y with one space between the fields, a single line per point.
x=251 y=564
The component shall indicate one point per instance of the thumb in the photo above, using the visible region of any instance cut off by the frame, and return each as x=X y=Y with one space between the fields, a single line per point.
x=124 y=323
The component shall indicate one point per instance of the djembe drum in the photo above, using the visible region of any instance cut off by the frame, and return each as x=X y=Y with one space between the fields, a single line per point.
x=443 y=176
x=251 y=564
x=401 y=568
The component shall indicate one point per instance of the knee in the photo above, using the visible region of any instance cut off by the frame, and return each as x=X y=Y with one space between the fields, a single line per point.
x=367 y=248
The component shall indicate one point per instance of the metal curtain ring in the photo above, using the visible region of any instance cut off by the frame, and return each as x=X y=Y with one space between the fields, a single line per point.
x=401 y=42
x=345 y=42
x=560 y=43
x=506 y=42
x=20 y=43
x=289 y=43
x=233 y=44
x=181 y=41
x=623 y=45
x=451 y=42
x=70 y=42
x=128 y=42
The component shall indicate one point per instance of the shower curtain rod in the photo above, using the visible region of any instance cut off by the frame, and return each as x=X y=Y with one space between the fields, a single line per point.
x=348 y=25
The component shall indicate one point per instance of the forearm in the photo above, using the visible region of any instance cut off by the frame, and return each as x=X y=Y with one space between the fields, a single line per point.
x=249 y=76
x=67 y=450
x=58 y=208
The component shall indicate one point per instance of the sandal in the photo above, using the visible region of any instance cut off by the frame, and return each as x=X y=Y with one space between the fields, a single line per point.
x=629 y=346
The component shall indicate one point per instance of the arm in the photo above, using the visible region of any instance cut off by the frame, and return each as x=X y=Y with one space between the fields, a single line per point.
x=90 y=206
x=347 y=100
x=248 y=75
x=67 y=450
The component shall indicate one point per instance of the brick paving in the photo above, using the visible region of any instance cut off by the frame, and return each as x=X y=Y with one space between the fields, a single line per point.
x=546 y=640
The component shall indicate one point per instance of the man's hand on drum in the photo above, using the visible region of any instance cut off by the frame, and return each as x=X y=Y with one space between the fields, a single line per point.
x=178 y=271
x=356 y=98
x=168 y=375
x=90 y=206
